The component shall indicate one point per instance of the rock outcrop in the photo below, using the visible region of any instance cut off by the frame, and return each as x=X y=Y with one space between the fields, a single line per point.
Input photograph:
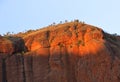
x=70 y=52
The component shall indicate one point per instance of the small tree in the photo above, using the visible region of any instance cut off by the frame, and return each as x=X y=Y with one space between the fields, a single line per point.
x=115 y=34
x=66 y=21
x=53 y=23
x=7 y=34
x=60 y=22
x=76 y=20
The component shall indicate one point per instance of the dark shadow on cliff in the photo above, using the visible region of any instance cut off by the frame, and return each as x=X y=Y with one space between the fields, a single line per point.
x=62 y=66
x=17 y=46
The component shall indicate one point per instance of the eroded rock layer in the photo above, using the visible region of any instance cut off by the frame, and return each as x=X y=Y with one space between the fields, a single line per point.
x=70 y=52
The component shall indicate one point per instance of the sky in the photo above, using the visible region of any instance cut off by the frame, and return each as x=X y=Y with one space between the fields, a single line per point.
x=20 y=15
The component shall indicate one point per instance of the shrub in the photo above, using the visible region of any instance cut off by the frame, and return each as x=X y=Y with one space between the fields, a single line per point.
x=60 y=22
x=76 y=20
x=29 y=31
x=7 y=34
x=66 y=21
x=115 y=34
x=80 y=42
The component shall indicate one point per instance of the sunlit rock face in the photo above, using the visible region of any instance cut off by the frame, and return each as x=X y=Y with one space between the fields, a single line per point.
x=70 y=52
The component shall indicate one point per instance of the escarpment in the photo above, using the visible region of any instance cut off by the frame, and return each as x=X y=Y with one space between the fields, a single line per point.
x=70 y=52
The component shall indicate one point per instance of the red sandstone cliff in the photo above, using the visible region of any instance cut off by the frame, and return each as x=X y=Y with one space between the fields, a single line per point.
x=70 y=52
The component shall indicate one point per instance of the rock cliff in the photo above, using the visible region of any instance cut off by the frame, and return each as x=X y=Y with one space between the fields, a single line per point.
x=70 y=52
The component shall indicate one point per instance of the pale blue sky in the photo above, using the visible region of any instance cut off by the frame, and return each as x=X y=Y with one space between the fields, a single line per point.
x=20 y=15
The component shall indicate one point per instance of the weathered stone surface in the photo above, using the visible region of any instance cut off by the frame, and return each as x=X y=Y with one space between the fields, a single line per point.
x=70 y=52
x=10 y=45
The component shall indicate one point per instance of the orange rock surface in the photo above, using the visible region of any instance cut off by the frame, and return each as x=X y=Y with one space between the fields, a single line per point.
x=70 y=52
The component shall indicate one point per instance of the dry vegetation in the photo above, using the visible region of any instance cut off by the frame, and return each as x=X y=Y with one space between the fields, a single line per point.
x=54 y=26
x=49 y=27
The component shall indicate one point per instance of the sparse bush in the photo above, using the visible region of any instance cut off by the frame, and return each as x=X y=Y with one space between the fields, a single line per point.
x=60 y=22
x=23 y=52
x=54 y=23
x=80 y=42
x=113 y=38
x=7 y=34
x=115 y=34
x=66 y=21
x=29 y=31
x=83 y=23
x=76 y=20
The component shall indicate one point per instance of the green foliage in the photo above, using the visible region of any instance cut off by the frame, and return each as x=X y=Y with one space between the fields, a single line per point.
x=23 y=52
x=113 y=38
x=80 y=42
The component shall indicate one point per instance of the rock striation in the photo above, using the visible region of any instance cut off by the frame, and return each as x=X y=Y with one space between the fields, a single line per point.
x=69 y=52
